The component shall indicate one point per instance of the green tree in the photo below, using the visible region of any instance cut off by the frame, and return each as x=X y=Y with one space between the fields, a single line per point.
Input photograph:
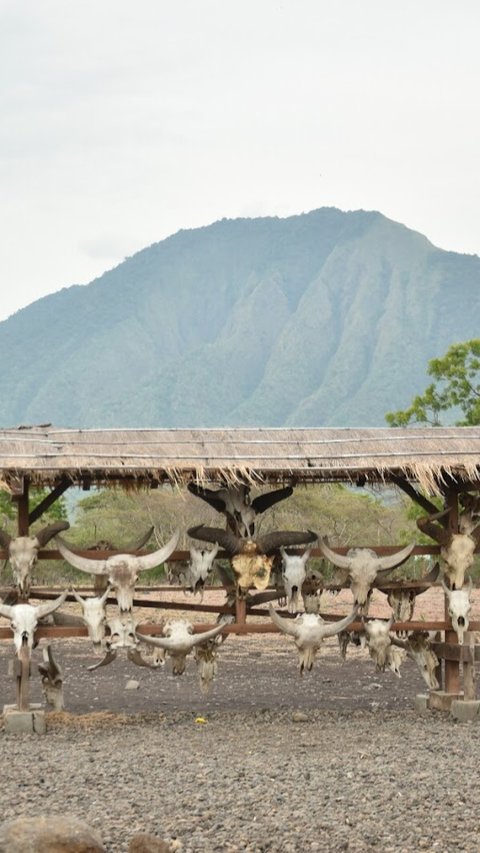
x=456 y=386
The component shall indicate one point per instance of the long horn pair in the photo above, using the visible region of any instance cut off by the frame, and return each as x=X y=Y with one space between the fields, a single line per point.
x=100 y=567
x=329 y=629
x=384 y=564
x=169 y=644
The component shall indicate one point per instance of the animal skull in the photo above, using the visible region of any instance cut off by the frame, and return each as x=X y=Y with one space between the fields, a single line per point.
x=121 y=569
x=377 y=632
x=394 y=659
x=418 y=648
x=179 y=640
x=457 y=549
x=459 y=607
x=24 y=619
x=199 y=568
x=294 y=574
x=309 y=631
x=23 y=552
x=362 y=566
x=94 y=616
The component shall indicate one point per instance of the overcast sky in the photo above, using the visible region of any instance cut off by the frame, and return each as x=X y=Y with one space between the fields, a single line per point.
x=124 y=121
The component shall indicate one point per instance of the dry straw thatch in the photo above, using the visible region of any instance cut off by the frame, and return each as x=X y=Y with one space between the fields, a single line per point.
x=137 y=458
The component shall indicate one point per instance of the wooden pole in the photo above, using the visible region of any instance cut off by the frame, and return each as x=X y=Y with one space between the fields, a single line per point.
x=469 y=668
x=452 y=667
x=22 y=668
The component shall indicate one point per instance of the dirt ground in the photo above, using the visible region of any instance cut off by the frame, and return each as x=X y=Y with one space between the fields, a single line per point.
x=255 y=672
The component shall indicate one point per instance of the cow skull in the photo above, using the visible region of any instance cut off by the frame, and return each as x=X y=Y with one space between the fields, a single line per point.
x=361 y=566
x=120 y=569
x=459 y=607
x=402 y=599
x=23 y=552
x=418 y=648
x=457 y=549
x=294 y=574
x=24 y=619
x=377 y=632
x=179 y=640
x=309 y=631
x=200 y=568
x=94 y=616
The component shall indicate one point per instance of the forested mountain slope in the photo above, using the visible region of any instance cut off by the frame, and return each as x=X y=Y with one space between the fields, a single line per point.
x=326 y=318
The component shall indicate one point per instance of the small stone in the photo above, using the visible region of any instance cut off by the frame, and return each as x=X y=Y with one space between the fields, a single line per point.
x=132 y=684
x=144 y=842
x=48 y=835
x=299 y=717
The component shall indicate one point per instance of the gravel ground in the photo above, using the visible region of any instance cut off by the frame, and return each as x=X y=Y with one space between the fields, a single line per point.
x=360 y=771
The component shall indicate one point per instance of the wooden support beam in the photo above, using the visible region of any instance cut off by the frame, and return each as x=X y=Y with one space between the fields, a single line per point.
x=452 y=667
x=469 y=687
x=49 y=500
x=22 y=509
x=412 y=493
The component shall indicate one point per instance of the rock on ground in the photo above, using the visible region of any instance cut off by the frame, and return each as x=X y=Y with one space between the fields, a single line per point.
x=43 y=834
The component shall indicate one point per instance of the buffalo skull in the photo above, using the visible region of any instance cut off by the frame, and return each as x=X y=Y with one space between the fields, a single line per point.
x=23 y=552
x=459 y=607
x=24 y=619
x=120 y=569
x=179 y=640
x=294 y=574
x=94 y=616
x=362 y=566
x=309 y=631
x=457 y=549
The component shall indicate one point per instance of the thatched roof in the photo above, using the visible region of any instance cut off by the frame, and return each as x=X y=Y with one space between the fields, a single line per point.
x=142 y=457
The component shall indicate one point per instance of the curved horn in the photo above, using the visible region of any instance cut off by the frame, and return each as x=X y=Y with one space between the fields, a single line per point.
x=387 y=563
x=337 y=559
x=287 y=626
x=84 y=564
x=207 y=635
x=264 y=502
x=45 y=609
x=5 y=538
x=272 y=541
x=445 y=588
x=140 y=542
x=432 y=575
x=208 y=495
x=335 y=627
x=156 y=558
x=230 y=543
x=77 y=597
x=46 y=533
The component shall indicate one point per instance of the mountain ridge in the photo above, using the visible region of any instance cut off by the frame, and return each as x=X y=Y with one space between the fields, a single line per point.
x=326 y=318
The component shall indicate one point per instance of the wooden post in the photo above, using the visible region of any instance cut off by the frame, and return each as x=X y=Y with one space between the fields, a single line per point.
x=22 y=671
x=452 y=667
x=469 y=668
x=22 y=509
x=240 y=610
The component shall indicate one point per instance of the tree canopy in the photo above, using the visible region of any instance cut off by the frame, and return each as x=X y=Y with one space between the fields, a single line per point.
x=456 y=388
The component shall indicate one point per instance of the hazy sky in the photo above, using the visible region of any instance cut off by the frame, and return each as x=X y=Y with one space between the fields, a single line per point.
x=124 y=121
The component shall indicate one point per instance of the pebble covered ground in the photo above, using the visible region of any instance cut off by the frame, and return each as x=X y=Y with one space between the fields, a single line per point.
x=256 y=781
x=269 y=761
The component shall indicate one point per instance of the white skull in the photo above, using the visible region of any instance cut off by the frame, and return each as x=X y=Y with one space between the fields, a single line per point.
x=122 y=632
x=419 y=650
x=459 y=607
x=199 y=568
x=94 y=616
x=24 y=619
x=459 y=555
x=294 y=573
x=377 y=632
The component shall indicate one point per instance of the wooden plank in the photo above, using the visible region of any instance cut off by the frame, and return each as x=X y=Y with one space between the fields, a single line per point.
x=50 y=499
x=469 y=687
x=452 y=651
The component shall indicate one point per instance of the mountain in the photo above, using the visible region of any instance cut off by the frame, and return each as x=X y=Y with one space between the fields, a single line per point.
x=323 y=319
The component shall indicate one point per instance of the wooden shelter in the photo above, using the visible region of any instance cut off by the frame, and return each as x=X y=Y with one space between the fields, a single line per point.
x=419 y=461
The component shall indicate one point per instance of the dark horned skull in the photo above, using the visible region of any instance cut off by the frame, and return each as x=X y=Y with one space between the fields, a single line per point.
x=23 y=552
